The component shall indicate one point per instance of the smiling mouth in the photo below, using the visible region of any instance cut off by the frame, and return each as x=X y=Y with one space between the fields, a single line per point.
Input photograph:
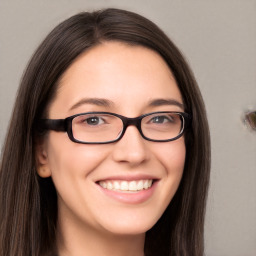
x=126 y=186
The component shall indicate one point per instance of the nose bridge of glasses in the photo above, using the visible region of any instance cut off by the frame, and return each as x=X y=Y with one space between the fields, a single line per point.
x=136 y=121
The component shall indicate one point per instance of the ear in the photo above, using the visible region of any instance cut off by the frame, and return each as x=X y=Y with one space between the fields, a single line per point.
x=42 y=161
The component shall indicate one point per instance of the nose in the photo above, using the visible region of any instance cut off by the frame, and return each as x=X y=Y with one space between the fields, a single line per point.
x=132 y=148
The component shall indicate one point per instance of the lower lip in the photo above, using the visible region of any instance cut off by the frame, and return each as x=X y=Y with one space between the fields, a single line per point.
x=131 y=197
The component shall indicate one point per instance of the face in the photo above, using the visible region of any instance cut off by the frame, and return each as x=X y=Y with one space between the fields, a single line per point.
x=122 y=79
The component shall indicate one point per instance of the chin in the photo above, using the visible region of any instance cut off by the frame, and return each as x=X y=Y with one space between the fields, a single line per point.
x=133 y=226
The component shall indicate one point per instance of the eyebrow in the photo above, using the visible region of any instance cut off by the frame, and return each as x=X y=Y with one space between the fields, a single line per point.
x=162 y=102
x=94 y=101
x=107 y=103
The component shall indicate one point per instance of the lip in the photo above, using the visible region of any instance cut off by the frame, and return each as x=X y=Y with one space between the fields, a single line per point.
x=129 y=197
x=129 y=177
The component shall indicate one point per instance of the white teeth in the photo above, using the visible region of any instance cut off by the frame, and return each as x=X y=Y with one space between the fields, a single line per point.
x=140 y=185
x=126 y=185
x=116 y=185
x=103 y=184
x=145 y=184
x=109 y=185
x=132 y=186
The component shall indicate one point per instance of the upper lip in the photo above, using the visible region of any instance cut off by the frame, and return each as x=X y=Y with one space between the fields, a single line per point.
x=129 y=177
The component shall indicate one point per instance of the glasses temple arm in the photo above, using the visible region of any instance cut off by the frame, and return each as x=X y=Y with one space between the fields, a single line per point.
x=52 y=124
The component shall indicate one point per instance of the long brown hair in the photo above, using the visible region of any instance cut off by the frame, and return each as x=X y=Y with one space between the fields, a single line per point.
x=28 y=204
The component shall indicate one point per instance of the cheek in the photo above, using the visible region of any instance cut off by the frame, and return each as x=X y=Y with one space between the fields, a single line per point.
x=172 y=155
x=69 y=158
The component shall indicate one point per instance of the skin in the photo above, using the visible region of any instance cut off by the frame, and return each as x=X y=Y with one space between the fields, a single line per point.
x=89 y=221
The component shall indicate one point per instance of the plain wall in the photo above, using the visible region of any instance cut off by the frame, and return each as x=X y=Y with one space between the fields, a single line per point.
x=219 y=40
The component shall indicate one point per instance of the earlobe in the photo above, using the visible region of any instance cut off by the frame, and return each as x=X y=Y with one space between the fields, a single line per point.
x=43 y=171
x=42 y=163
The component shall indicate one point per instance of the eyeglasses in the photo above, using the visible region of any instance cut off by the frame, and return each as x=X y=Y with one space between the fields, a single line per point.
x=105 y=127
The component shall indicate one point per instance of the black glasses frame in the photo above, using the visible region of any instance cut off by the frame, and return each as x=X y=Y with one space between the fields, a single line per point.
x=65 y=125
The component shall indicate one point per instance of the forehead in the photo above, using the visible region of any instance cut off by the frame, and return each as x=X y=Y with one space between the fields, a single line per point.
x=127 y=75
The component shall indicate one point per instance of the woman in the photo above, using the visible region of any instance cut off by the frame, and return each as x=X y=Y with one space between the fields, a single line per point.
x=108 y=149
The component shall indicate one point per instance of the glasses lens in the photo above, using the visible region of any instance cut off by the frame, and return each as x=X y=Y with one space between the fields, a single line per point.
x=96 y=128
x=162 y=126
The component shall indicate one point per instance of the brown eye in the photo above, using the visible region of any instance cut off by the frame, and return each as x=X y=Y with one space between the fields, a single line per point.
x=89 y=120
x=93 y=120
x=161 y=119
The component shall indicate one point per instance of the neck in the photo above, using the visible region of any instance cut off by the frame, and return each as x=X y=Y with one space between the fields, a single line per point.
x=81 y=239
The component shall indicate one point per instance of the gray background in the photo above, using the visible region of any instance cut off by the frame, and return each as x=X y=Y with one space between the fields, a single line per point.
x=219 y=41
